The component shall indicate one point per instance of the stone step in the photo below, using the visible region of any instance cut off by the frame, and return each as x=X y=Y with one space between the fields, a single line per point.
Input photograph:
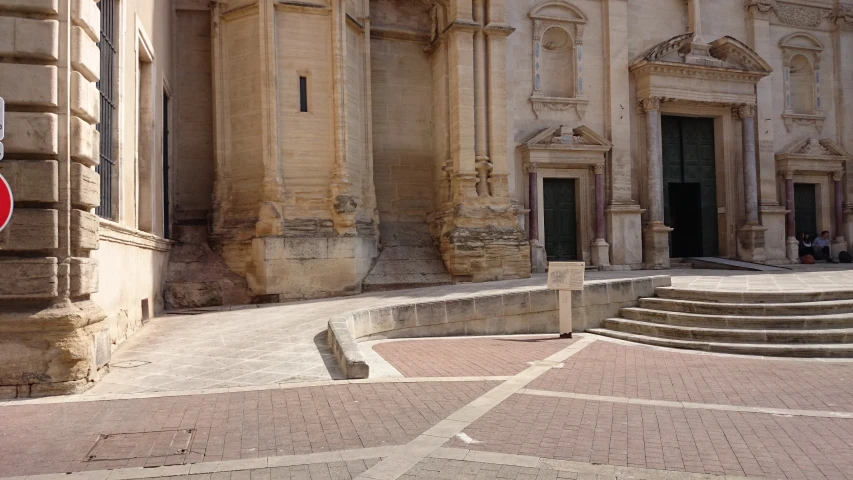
x=775 y=350
x=677 y=293
x=778 y=322
x=755 y=309
x=730 y=335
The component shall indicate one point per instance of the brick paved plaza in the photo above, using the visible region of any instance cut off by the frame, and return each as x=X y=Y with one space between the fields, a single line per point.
x=526 y=407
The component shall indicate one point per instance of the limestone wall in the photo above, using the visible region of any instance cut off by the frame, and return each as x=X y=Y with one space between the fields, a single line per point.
x=193 y=114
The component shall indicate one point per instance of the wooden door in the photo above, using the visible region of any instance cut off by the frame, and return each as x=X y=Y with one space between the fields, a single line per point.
x=560 y=207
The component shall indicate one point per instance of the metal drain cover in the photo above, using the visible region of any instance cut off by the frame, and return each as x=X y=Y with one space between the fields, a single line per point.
x=126 y=446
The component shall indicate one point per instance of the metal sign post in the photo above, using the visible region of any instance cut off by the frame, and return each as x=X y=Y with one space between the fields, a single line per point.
x=566 y=277
x=7 y=202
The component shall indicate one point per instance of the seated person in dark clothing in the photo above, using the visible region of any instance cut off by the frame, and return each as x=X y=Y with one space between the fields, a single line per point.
x=805 y=245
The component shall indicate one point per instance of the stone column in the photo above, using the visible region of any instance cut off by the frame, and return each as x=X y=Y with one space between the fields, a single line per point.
x=751 y=234
x=481 y=152
x=52 y=336
x=656 y=234
x=841 y=17
x=839 y=244
x=791 y=243
x=600 y=250
x=538 y=256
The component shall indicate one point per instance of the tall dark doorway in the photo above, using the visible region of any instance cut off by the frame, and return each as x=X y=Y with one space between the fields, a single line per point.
x=690 y=186
x=561 y=233
x=805 y=208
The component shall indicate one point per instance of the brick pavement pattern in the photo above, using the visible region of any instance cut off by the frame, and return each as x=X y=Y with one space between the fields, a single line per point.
x=438 y=468
x=55 y=438
x=700 y=441
x=610 y=369
x=463 y=357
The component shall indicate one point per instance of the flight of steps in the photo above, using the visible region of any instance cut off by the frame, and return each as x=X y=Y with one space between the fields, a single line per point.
x=408 y=259
x=802 y=324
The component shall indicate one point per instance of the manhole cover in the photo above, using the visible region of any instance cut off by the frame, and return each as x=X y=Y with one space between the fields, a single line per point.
x=126 y=446
x=129 y=364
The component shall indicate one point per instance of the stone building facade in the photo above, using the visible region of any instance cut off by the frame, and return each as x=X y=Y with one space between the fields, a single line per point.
x=184 y=153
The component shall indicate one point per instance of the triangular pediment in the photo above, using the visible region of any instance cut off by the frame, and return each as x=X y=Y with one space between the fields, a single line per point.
x=565 y=138
x=725 y=52
x=808 y=147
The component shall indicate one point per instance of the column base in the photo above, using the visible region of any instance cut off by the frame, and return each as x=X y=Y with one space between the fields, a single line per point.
x=792 y=248
x=625 y=227
x=600 y=253
x=750 y=243
x=52 y=350
x=656 y=246
x=538 y=257
x=838 y=245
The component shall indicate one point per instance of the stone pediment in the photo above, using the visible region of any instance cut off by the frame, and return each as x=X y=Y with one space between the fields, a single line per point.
x=563 y=147
x=723 y=72
x=561 y=137
x=811 y=154
x=723 y=53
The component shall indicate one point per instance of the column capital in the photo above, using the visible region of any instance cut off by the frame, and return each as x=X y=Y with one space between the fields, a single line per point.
x=744 y=111
x=598 y=169
x=650 y=104
x=759 y=8
x=837 y=176
x=842 y=15
x=787 y=174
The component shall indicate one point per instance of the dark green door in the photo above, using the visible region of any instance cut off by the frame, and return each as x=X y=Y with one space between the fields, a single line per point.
x=561 y=233
x=690 y=186
x=805 y=209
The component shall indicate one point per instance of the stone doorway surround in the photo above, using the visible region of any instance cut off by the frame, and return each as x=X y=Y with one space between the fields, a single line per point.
x=562 y=152
x=819 y=162
x=684 y=76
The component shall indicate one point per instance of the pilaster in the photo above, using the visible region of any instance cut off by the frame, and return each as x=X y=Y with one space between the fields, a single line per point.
x=52 y=339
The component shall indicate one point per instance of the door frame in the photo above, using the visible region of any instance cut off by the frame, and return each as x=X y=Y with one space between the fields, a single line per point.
x=584 y=203
x=728 y=165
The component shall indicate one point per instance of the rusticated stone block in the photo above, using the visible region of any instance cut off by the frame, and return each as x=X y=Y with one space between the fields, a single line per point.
x=29 y=38
x=31 y=133
x=84 y=276
x=85 y=142
x=85 y=186
x=85 y=55
x=32 y=180
x=31 y=6
x=84 y=230
x=86 y=15
x=31 y=85
x=85 y=98
x=28 y=277
x=31 y=229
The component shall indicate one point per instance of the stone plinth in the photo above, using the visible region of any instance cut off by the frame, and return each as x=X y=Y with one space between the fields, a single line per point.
x=656 y=246
x=750 y=243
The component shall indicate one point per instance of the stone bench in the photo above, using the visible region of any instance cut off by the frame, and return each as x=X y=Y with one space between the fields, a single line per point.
x=529 y=311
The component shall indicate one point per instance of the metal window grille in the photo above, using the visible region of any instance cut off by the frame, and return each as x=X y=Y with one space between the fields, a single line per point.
x=107 y=88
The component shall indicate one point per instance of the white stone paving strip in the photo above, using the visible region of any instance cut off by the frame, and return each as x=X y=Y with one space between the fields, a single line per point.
x=607 y=471
x=407 y=457
x=689 y=405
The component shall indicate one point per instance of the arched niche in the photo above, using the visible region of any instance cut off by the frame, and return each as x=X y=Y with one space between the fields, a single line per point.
x=558 y=28
x=801 y=53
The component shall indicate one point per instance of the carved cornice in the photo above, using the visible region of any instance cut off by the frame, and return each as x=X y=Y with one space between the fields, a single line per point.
x=761 y=6
x=498 y=30
x=558 y=104
x=801 y=119
x=698 y=71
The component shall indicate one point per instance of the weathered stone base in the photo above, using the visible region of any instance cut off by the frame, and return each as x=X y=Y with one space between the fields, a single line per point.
x=486 y=254
x=600 y=252
x=538 y=257
x=656 y=246
x=792 y=248
x=750 y=243
x=51 y=350
x=625 y=227
x=310 y=267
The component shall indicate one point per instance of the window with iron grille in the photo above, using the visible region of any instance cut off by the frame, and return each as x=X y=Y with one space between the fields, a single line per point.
x=106 y=86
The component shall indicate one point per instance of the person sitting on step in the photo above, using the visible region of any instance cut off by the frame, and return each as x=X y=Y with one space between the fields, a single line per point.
x=805 y=246
x=821 y=247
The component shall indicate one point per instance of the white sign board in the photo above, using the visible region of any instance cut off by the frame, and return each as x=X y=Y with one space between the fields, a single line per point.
x=565 y=277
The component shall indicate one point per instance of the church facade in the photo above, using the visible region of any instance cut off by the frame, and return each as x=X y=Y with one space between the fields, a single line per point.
x=189 y=153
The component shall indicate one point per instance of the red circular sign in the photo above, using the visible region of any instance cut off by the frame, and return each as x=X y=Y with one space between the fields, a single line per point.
x=6 y=203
